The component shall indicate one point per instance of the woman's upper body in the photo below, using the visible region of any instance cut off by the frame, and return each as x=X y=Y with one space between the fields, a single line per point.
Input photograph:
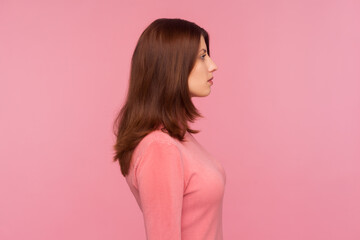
x=179 y=188
x=178 y=185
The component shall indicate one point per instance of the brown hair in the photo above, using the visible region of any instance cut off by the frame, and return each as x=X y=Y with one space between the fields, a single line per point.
x=158 y=91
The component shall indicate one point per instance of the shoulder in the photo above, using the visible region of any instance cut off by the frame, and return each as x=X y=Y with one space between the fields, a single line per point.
x=156 y=139
x=158 y=136
x=158 y=151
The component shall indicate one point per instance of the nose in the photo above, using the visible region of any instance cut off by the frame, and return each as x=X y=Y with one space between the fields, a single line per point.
x=213 y=67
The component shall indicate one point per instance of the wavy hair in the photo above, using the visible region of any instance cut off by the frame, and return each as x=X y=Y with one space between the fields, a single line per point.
x=158 y=93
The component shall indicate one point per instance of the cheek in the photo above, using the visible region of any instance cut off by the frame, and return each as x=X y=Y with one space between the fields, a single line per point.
x=200 y=72
x=198 y=76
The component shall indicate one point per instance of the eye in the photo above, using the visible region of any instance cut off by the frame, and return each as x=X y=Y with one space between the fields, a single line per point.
x=203 y=56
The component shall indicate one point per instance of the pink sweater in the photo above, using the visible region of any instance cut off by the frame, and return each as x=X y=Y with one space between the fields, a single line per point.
x=179 y=188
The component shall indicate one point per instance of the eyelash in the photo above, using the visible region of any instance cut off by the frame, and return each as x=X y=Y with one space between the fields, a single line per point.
x=202 y=57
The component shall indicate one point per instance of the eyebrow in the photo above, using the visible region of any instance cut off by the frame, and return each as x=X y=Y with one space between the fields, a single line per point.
x=203 y=50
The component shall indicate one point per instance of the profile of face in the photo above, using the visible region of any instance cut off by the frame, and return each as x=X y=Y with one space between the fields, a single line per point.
x=199 y=78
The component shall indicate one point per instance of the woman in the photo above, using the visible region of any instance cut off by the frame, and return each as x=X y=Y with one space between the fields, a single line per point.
x=177 y=184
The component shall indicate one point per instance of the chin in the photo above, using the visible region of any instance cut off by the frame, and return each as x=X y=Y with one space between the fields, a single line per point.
x=203 y=94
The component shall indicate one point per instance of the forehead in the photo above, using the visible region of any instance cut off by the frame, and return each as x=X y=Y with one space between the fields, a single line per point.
x=202 y=43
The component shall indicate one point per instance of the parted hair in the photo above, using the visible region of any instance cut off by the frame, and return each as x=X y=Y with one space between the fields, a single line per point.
x=158 y=93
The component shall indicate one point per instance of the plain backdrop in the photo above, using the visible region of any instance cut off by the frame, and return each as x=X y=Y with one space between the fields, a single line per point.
x=283 y=116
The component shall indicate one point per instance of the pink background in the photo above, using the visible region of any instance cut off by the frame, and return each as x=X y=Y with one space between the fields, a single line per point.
x=283 y=116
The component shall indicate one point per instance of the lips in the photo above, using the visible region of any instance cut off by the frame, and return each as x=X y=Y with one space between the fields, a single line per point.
x=211 y=79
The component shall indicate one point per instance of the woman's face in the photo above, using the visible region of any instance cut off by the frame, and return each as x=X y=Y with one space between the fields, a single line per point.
x=199 y=84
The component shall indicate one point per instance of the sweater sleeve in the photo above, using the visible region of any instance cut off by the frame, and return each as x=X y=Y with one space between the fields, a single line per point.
x=160 y=178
